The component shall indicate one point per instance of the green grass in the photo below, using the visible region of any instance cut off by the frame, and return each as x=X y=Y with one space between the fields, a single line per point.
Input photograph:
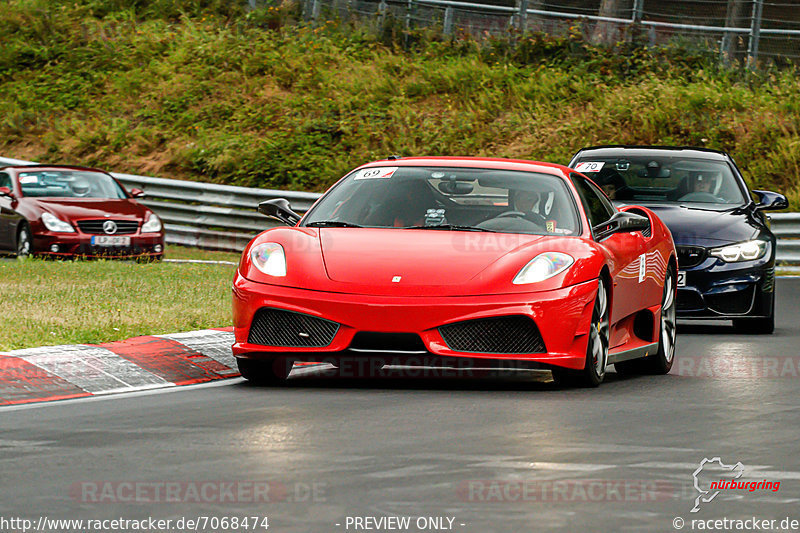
x=184 y=252
x=205 y=91
x=68 y=302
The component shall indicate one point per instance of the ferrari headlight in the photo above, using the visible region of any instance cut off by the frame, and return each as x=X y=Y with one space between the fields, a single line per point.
x=53 y=223
x=743 y=251
x=269 y=258
x=153 y=224
x=542 y=267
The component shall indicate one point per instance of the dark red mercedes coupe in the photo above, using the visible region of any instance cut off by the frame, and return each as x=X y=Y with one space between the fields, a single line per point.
x=67 y=211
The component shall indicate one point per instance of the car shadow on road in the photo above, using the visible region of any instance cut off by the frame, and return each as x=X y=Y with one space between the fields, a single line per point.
x=441 y=379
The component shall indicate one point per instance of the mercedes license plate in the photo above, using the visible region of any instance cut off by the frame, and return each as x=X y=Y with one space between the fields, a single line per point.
x=110 y=240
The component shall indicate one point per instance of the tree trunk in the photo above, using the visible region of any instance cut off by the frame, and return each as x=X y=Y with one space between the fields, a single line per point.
x=732 y=20
x=607 y=32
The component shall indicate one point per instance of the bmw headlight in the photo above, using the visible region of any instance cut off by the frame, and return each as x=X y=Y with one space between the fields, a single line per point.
x=53 y=223
x=269 y=258
x=153 y=224
x=743 y=251
x=542 y=267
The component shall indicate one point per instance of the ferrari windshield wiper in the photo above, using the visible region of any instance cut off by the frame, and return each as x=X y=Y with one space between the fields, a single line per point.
x=331 y=224
x=454 y=227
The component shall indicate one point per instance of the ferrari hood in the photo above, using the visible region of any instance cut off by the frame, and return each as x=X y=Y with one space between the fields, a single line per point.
x=76 y=208
x=381 y=257
x=692 y=226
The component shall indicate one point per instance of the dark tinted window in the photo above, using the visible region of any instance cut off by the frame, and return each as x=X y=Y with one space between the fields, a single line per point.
x=597 y=206
x=664 y=178
x=5 y=180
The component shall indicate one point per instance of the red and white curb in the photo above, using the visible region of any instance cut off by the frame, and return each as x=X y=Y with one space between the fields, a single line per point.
x=141 y=363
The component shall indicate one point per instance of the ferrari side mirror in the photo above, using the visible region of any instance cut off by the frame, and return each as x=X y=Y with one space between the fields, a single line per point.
x=280 y=209
x=621 y=222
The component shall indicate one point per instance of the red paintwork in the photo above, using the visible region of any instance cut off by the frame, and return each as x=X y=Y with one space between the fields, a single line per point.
x=344 y=275
x=72 y=210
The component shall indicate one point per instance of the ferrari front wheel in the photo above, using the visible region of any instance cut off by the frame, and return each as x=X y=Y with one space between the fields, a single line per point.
x=272 y=371
x=594 y=371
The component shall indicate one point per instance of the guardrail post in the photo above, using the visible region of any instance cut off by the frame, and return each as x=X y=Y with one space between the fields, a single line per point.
x=522 y=22
x=383 y=7
x=448 y=21
x=755 y=33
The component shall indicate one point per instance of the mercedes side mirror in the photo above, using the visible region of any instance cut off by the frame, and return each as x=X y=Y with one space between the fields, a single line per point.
x=5 y=191
x=770 y=201
x=136 y=193
x=622 y=222
x=280 y=209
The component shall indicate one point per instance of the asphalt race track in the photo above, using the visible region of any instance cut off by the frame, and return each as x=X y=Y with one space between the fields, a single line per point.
x=496 y=453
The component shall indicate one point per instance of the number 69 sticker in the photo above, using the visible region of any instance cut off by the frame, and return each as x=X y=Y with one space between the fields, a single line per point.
x=589 y=166
x=375 y=173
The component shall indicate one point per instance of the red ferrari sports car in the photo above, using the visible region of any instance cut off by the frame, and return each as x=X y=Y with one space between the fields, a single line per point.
x=490 y=262
x=73 y=211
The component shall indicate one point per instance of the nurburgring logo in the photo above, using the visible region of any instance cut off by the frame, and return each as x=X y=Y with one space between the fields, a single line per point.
x=724 y=477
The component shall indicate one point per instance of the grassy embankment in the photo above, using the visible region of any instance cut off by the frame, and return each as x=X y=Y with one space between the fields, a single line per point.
x=202 y=90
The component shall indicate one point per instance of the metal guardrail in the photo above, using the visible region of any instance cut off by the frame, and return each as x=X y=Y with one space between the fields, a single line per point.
x=224 y=217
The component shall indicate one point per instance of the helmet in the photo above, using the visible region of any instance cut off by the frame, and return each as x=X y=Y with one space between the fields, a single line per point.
x=80 y=187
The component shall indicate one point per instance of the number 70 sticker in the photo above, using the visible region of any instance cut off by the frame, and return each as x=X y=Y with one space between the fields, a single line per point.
x=589 y=166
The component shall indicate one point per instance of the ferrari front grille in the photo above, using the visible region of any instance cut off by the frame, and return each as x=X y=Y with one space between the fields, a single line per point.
x=95 y=227
x=690 y=256
x=276 y=327
x=503 y=334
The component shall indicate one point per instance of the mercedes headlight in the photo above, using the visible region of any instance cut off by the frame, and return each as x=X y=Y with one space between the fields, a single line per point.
x=743 y=251
x=542 y=267
x=153 y=224
x=269 y=258
x=55 y=224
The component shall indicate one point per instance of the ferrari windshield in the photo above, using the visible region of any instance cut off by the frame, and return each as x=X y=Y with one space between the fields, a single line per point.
x=69 y=184
x=476 y=199
x=649 y=179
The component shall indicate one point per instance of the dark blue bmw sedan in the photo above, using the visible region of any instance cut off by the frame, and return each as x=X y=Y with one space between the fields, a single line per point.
x=726 y=251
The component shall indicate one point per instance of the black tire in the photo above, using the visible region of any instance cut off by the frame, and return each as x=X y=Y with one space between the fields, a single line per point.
x=594 y=370
x=661 y=362
x=272 y=371
x=24 y=241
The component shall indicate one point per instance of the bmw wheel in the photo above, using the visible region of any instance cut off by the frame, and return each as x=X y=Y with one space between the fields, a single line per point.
x=24 y=241
x=594 y=370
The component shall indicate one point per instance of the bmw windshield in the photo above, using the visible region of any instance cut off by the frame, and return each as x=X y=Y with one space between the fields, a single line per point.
x=469 y=199
x=69 y=184
x=699 y=183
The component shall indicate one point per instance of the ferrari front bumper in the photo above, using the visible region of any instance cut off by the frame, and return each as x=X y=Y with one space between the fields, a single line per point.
x=562 y=317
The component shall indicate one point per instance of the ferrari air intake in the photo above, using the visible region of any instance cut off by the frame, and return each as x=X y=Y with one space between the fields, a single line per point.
x=504 y=334
x=276 y=327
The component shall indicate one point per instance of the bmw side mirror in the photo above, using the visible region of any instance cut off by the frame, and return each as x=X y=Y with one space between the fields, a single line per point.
x=281 y=209
x=5 y=191
x=770 y=201
x=136 y=193
x=622 y=222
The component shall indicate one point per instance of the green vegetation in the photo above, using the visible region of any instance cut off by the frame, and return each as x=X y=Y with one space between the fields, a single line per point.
x=69 y=302
x=206 y=91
